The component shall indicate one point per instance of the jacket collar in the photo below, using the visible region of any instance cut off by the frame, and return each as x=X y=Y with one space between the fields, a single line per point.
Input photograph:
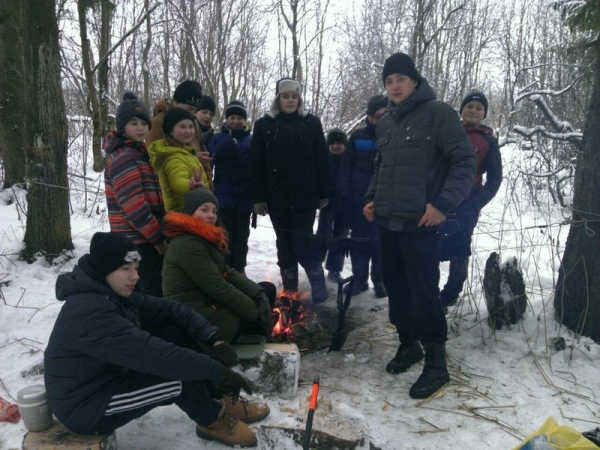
x=176 y=224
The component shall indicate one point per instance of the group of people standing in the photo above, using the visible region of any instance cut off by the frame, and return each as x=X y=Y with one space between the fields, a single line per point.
x=150 y=312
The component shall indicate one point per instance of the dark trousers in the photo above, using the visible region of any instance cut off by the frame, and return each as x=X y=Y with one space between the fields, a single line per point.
x=295 y=237
x=138 y=393
x=237 y=224
x=332 y=223
x=150 y=270
x=456 y=248
x=411 y=274
x=364 y=251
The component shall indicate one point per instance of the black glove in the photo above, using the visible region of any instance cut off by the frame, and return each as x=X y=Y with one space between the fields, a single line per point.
x=230 y=383
x=214 y=337
x=265 y=313
x=224 y=353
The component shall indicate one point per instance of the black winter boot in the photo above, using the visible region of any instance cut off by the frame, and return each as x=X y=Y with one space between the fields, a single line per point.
x=409 y=352
x=289 y=279
x=380 y=291
x=316 y=277
x=435 y=373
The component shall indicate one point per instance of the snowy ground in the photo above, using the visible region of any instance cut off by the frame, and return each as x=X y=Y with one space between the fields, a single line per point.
x=504 y=385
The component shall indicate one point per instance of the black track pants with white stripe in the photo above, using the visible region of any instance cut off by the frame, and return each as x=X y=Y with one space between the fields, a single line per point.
x=141 y=392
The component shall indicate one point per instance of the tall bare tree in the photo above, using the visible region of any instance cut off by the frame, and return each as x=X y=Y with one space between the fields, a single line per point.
x=48 y=223
x=12 y=101
x=577 y=299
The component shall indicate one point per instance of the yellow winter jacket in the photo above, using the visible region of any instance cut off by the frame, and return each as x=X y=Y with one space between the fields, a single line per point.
x=175 y=164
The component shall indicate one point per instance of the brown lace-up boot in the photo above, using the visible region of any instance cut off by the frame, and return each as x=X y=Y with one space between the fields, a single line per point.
x=246 y=411
x=228 y=430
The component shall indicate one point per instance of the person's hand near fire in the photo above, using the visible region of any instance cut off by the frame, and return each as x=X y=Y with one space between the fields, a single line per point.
x=264 y=312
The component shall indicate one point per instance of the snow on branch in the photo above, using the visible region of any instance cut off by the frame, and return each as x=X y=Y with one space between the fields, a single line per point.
x=522 y=95
x=574 y=137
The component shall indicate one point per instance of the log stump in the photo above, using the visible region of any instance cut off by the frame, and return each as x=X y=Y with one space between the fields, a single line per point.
x=504 y=290
x=59 y=437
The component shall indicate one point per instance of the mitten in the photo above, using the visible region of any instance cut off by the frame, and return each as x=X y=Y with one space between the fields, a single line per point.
x=261 y=209
x=224 y=353
x=264 y=308
x=230 y=383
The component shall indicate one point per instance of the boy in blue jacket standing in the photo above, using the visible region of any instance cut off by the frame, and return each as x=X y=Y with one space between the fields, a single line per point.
x=230 y=151
x=355 y=175
x=115 y=354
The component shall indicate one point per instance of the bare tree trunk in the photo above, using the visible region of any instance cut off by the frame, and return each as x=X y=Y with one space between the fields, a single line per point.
x=145 y=62
x=97 y=104
x=577 y=299
x=11 y=85
x=48 y=227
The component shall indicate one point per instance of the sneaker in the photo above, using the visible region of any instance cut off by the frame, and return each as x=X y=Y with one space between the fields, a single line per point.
x=334 y=276
x=380 y=291
x=245 y=411
x=358 y=288
x=229 y=431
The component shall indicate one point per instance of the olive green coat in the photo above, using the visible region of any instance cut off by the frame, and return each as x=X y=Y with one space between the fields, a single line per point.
x=194 y=273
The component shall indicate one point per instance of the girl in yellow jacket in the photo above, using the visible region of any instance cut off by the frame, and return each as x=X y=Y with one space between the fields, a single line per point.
x=173 y=158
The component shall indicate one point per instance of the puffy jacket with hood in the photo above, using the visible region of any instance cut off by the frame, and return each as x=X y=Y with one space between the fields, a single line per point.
x=195 y=274
x=175 y=164
x=424 y=157
x=99 y=336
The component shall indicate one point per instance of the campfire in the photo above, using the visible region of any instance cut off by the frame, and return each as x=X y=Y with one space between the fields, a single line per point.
x=288 y=317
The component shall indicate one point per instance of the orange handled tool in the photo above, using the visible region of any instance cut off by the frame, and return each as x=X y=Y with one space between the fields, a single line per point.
x=311 y=414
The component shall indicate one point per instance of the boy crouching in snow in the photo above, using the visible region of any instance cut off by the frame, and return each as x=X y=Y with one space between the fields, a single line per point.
x=114 y=353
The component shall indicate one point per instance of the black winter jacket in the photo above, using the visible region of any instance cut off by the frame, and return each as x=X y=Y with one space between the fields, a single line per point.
x=288 y=161
x=99 y=337
x=424 y=157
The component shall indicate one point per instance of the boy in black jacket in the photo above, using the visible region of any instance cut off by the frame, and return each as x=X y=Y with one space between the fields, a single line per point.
x=114 y=353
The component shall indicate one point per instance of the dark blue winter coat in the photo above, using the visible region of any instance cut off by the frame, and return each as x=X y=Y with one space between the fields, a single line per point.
x=335 y=164
x=288 y=163
x=230 y=150
x=100 y=336
x=357 y=165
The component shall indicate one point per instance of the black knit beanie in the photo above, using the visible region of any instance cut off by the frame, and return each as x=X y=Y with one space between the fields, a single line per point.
x=400 y=63
x=208 y=103
x=109 y=251
x=189 y=92
x=197 y=197
x=336 y=135
x=129 y=108
x=174 y=115
x=478 y=96
x=376 y=103
x=236 y=108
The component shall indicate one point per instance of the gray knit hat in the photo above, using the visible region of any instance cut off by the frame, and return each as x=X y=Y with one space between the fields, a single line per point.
x=197 y=197
x=235 y=108
x=129 y=108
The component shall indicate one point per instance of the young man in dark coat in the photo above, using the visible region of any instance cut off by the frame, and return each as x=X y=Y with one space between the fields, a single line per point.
x=115 y=354
x=355 y=175
x=288 y=175
x=332 y=222
x=456 y=244
x=424 y=169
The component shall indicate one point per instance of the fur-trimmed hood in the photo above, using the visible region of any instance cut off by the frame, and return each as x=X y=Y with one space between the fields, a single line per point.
x=176 y=224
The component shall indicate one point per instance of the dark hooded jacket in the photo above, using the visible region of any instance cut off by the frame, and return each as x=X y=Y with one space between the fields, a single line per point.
x=424 y=157
x=100 y=336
